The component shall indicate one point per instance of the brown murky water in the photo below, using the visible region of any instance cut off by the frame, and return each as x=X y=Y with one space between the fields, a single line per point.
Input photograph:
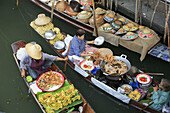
x=14 y=97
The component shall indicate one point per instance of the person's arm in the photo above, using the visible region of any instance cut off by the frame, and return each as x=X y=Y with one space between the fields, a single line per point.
x=61 y=59
x=84 y=55
x=23 y=73
x=90 y=42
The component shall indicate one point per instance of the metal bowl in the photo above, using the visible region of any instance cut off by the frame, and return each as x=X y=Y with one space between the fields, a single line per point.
x=122 y=58
x=59 y=45
x=49 y=35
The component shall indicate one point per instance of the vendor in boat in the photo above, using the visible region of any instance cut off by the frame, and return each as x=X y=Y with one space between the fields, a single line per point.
x=36 y=62
x=78 y=43
x=161 y=95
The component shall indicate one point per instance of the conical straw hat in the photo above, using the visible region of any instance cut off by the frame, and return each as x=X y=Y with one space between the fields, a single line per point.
x=42 y=20
x=34 y=50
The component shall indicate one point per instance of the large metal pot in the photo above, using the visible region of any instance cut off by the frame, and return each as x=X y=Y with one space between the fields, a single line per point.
x=122 y=58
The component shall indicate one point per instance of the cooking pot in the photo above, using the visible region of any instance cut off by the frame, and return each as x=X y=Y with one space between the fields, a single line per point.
x=122 y=58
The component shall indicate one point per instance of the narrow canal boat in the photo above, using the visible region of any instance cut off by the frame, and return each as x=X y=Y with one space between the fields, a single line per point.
x=77 y=104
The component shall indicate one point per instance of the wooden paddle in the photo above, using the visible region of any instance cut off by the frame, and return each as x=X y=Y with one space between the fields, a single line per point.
x=94 y=19
x=67 y=56
x=17 y=4
x=52 y=10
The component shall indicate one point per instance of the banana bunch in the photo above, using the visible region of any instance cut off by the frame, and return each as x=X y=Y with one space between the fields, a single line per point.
x=42 y=29
x=135 y=95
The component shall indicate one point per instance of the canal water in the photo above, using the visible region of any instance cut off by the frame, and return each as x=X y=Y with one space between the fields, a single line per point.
x=14 y=96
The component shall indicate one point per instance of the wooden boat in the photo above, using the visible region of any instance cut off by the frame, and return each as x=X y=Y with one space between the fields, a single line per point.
x=65 y=17
x=85 y=105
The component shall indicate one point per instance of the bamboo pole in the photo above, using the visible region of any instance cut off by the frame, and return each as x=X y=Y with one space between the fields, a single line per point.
x=154 y=13
x=168 y=33
x=52 y=10
x=94 y=19
x=136 y=12
x=140 y=1
x=167 y=17
x=17 y=4
x=67 y=56
x=116 y=5
x=111 y=4
x=108 y=4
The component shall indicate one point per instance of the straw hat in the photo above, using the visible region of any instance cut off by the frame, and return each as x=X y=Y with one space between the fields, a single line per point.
x=84 y=16
x=34 y=50
x=124 y=21
x=106 y=28
x=109 y=16
x=70 y=11
x=116 y=24
x=100 y=11
x=99 y=20
x=61 y=5
x=146 y=33
x=130 y=27
x=130 y=36
x=42 y=20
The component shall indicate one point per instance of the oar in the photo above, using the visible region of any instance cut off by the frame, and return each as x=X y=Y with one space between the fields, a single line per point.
x=155 y=73
x=67 y=56
x=17 y=4
x=94 y=18
x=52 y=10
x=146 y=106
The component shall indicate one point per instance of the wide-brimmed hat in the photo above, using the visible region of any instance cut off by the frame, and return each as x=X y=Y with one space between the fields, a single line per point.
x=61 y=5
x=34 y=50
x=99 y=20
x=146 y=33
x=124 y=20
x=100 y=11
x=42 y=20
x=75 y=6
x=130 y=27
x=130 y=36
x=110 y=16
x=70 y=11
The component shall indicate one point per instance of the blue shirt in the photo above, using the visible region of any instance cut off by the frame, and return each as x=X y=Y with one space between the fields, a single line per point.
x=160 y=98
x=27 y=60
x=77 y=46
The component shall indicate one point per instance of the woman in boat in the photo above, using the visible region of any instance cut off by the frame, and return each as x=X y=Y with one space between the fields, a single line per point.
x=78 y=45
x=160 y=95
x=36 y=62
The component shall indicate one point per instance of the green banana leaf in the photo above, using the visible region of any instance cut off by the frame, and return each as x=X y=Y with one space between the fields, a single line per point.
x=65 y=86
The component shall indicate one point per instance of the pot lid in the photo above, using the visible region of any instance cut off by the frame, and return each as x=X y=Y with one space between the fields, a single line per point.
x=146 y=33
x=84 y=15
x=100 y=11
x=130 y=36
x=130 y=27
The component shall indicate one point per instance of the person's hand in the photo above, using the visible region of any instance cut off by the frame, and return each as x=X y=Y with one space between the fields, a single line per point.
x=23 y=74
x=65 y=59
x=148 y=95
x=155 y=88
